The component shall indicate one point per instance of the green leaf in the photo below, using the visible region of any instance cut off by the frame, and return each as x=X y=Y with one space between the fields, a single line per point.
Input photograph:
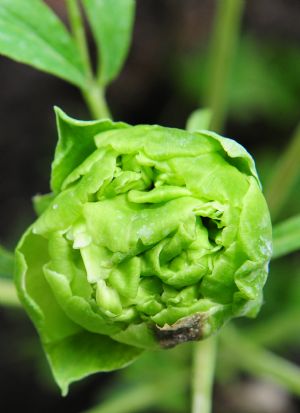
x=199 y=119
x=31 y=33
x=41 y=202
x=111 y=23
x=286 y=237
x=237 y=154
x=72 y=352
x=75 y=143
x=8 y=294
x=6 y=263
x=85 y=353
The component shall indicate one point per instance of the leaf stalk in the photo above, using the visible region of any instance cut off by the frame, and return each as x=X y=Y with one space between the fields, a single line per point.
x=203 y=375
x=223 y=43
x=93 y=93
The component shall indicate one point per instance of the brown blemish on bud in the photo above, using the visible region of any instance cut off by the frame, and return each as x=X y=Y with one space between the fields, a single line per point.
x=186 y=329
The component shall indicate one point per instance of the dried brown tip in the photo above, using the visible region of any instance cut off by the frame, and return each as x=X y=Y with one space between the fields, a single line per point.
x=186 y=329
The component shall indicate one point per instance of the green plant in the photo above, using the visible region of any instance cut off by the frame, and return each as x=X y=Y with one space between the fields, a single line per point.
x=152 y=237
x=94 y=320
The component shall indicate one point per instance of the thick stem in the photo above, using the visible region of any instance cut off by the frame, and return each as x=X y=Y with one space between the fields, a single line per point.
x=95 y=100
x=203 y=375
x=224 y=38
x=93 y=93
x=223 y=44
x=285 y=174
x=8 y=294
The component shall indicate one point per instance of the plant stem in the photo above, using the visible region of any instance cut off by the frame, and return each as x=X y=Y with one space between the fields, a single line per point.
x=223 y=44
x=203 y=375
x=224 y=38
x=93 y=93
x=8 y=294
x=95 y=100
x=78 y=31
x=285 y=174
x=255 y=360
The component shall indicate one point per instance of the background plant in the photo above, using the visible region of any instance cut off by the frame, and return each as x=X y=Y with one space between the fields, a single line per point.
x=68 y=59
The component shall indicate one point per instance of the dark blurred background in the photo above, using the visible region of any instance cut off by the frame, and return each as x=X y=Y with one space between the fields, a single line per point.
x=164 y=79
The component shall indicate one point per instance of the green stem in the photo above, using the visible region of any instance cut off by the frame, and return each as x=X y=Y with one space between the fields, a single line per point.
x=223 y=44
x=259 y=362
x=285 y=174
x=224 y=38
x=203 y=375
x=8 y=294
x=93 y=93
x=78 y=31
x=95 y=100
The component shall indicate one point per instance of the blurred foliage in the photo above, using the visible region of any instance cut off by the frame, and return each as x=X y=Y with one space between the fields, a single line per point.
x=277 y=324
x=265 y=160
x=157 y=380
x=265 y=80
x=6 y=263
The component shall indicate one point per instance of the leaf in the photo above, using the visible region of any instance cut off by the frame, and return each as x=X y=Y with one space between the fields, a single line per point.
x=286 y=237
x=82 y=354
x=75 y=143
x=8 y=294
x=199 y=119
x=241 y=159
x=6 y=263
x=111 y=23
x=73 y=353
x=31 y=33
x=41 y=202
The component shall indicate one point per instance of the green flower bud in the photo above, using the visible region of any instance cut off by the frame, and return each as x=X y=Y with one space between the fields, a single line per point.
x=153 y=236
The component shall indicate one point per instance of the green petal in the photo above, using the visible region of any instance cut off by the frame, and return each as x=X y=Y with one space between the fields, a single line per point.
x=34 y=291
x=72 y=352
x=85 y=353
x=75 y=143
x=238 y=155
